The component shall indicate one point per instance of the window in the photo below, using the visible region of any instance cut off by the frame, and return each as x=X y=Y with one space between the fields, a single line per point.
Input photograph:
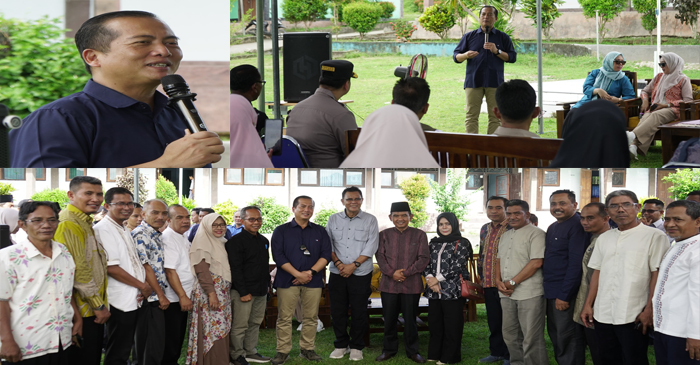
x=73 y=172
x=387 y=179
x=253 y=176
x=113 y=173
x=475 y=180
x=332 y=177
x=551 y=177
x=40 y=174
x=308 y=177
x=233 y=176
x=391 y=178
x=274 y=177
x=11 y=174
x=354 y=178
x=618 y=178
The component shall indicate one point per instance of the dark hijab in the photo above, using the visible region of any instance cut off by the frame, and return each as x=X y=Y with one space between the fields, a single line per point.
x=455 y=235
x=595 y=137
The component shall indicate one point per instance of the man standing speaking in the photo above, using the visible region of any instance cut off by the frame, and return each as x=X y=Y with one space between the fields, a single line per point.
x=486 y=49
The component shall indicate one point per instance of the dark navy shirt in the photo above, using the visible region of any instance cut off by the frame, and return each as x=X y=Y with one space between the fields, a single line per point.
x=287 y=240
x=97 y=127
x=486 y=69
x=565 y=245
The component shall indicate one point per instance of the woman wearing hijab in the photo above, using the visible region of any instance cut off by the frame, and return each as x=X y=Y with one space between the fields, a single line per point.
x=666 y=91
x=449 y=253
x=211 y=316
x=10 y=217
x=391 y=137
x=247 y=149
x=594 y=137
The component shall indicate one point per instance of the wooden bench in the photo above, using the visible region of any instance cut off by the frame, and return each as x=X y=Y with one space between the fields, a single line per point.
x=481 y=151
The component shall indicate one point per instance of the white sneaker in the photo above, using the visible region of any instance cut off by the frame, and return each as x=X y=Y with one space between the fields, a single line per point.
x=339 y=353
x=630 y=138
x=633 y=151
x=355 y=355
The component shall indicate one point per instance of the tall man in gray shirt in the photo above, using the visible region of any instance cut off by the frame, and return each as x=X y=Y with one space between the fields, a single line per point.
x=354 y=238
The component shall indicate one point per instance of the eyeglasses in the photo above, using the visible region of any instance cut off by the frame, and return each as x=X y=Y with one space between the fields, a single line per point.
x=620 y=62
x=353 y=199
x=253 y=220
x=261 y=82
x=122 y=204
x=623 y=205
x=220 y=225
x=650 y=211
x=305 y=250
x=662 y=64
x=40 y=222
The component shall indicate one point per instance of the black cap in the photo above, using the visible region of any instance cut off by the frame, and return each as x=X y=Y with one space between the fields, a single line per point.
x=400 y=207
x=337 y=70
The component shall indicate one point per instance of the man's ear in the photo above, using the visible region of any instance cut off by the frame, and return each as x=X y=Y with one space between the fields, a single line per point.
x=497 y=113
x=536 y=112
x=425 y=108
x=92 y=57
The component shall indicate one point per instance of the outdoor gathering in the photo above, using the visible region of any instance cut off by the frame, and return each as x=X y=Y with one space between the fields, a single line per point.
x=240 y=266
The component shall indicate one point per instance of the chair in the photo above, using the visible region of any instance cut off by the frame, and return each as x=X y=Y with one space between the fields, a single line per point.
x=292 y=155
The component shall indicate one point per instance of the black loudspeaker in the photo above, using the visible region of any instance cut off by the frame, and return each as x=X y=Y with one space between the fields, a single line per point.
x=4 y=147
x=5 y=236
x=303 y=53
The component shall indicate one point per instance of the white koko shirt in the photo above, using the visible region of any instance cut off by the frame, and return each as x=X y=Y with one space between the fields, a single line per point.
x=176 y=251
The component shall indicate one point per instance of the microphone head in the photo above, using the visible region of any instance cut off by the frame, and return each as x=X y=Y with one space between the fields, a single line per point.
x=175 y=85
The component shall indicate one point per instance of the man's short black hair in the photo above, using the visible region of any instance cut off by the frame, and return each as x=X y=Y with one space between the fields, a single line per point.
x=628 y=193
x=692 y=208
x=601 y=208
x=93 y=34
x=352 y=189
x=109 y=195
x=29 y=207
x=413 y=93
x=495 y=197
x=244 y=210
x=495 y=11
x=533 y=219
x=519 y=203
x=243 y=77
x=694 y=192
x=196 y=210
x=208 y=210
x=516 y=100
x=332 y=83
x=657 y=202
x=137 y=205
x=75 y=183
x=568 y=192
x=296 y=200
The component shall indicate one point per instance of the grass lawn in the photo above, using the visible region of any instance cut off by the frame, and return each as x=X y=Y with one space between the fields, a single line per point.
x=372 y=89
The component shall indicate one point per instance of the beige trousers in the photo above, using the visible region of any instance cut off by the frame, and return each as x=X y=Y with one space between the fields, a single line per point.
x=286 y=303
x=475 y=96
x=648 y=126
x=523 y=330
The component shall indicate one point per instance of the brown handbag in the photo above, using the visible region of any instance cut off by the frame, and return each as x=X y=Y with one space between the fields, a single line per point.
x=471 y=290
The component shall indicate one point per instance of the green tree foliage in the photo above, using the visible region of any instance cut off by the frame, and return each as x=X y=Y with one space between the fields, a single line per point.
x=321 y=217
x=549 y=13
x=450 y=197
x=127 y=181
x=438 y=19
x=226 y=209
x=56 y=195
x=188 y=203
x=306 y=11
x=273 y=214
x=607 y=9
x=416 y=190
x=37 y=65
x=684 y=181
x=688 y=11
x=362 y=16
x=387 y=9
x=165 y=190
x=6 y=188
x=502 y=22
x=648 y=10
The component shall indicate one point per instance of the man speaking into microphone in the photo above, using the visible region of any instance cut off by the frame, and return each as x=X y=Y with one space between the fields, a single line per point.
x=486 y=49
x=119 y=119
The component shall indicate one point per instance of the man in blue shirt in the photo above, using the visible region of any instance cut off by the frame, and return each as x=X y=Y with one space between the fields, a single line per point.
x=301 y=250
x=237 y=226
x=127 y=53
x=565 y=244
x=486 y=50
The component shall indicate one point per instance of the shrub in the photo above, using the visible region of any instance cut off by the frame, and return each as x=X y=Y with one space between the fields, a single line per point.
x=305 y=11
x=226 y=209
x=438 y=19
x=450 y=197
x=403 y=29
x=37 y=64
x=362 y=16
x=416 y=190
x=684 y=181
x=387 y=9
x=549 y=13
x=273 y=213
x=188 y=203
x=166 y=191
x=321 y=217
x=6 y=188
x=56 y=195
x=127 y=181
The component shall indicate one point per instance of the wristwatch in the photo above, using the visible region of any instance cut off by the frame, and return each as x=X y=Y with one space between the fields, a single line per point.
x=511 y=282
x=313 y=272
x=102 y=307
x=357 y=264
x=499 y=52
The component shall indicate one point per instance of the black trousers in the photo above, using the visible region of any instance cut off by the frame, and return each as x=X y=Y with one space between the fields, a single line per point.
x=58 y=358
x=121 y=329
x=407 y=304
x=592 y=342
x=353 y=293
x=566 y=335
x=91 y=351
x=150 y=334
x=494 y=317
x=621 y=344
x=175 y=328
x=670 y=350
x=446 y=320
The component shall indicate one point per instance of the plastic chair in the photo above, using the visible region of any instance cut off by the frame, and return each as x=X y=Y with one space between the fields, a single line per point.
x=292 y=155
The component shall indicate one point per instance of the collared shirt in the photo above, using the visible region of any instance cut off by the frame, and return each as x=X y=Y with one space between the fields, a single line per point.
x=249 y=258
x=516 y=249
x=90 y=284
x=232 y=230
x=176 y=255
x=486 y=69
x=677 y=292
x=406 y=250
x=489 y=236
x=352 y=238
x=626 y=260
x=121 y=251
x=149 y=245
x=565 y=244
x=586 y=275
x=659 y=224
x=38 y=289
x=287 y=241
x=97 y=127
x=514 y=132
x=319 y=124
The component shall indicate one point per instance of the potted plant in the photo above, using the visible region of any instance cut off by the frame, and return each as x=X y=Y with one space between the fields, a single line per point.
x=5 y=190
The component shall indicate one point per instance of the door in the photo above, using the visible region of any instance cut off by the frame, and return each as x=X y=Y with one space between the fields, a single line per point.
x=662 y=187
x=586 y=184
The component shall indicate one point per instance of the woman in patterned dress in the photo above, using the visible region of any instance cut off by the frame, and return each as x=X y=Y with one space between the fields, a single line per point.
x=211 y=317
x=448 y=260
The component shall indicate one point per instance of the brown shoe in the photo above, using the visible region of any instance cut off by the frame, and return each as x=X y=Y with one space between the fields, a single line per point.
x=384 y=356
x=417 y=358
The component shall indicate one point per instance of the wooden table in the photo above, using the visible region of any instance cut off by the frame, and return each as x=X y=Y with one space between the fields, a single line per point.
x=672 y=134
x=284 y=105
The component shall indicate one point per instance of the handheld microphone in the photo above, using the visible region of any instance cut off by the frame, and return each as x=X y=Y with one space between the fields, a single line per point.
x=179 y=94
x=486 y=33
x=7 y=122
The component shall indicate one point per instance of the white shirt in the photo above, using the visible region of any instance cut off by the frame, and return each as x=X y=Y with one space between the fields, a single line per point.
x=677 y=294
x=121 y=251
x=659 y=224
x=176 y=250
x=626 y=260
x=38 y=289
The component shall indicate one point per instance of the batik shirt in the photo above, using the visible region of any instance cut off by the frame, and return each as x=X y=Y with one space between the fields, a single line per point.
x=149 y=245
x=38 y=289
